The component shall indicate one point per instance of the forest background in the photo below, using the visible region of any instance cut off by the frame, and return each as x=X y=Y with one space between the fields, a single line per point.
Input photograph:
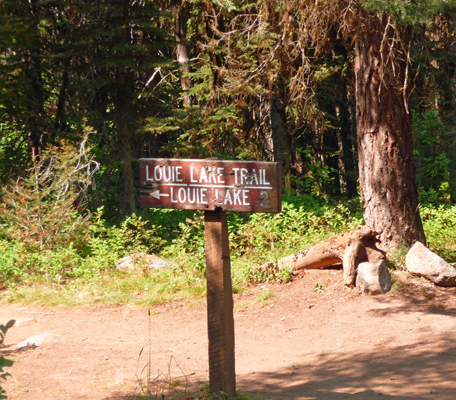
x=89 y=87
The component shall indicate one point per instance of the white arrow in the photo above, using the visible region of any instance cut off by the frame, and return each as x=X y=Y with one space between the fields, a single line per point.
x=156 y=193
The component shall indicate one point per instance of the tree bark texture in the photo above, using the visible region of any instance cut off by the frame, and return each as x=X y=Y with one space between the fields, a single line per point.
x=347 y=137
x=124 y=122
x=180 y=34
x=36 y=119
x=385 y=144
x=281 y=138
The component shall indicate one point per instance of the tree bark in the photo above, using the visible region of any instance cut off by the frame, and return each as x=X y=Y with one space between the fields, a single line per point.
x=36 y=119
x=124 y=121
x=281 y=138
x=347 y=136
x=180 y=35
x=385 y=144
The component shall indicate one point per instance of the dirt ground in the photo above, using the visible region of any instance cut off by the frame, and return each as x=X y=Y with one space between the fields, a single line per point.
x=301 y=344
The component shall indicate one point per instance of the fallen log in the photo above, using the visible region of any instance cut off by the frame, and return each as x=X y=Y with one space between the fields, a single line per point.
x=331 y=251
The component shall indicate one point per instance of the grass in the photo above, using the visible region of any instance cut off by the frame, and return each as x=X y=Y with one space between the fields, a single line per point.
x=117 y=288
x=265 y=296
x=67 y=278
x=242 y=305
x=399 y=281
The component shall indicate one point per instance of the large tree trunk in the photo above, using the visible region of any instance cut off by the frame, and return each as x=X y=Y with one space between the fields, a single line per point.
x=385 y=144
x=124 y=121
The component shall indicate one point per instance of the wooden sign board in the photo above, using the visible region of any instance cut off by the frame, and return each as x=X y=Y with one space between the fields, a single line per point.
x=240 y=186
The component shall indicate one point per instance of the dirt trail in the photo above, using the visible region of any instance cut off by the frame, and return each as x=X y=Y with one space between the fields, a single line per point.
x=333 y=344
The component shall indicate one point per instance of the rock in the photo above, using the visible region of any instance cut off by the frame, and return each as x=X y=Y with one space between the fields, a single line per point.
x=42 y=338
x=25 y=322
x=423 y=262
x=373 y=278
x=143 y=260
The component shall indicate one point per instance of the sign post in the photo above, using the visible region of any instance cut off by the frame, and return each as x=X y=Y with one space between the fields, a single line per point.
x=220 y=319
x=215 y=187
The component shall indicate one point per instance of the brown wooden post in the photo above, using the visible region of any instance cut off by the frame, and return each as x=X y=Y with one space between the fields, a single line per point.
x=222 y=378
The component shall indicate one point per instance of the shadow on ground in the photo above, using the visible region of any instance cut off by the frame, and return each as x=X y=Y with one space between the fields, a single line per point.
x=419 y=371
x=397 y=373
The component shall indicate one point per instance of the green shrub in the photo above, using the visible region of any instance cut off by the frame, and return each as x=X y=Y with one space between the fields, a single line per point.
x=440 y=227
x=41 y=210
x=259 y=238
x=267 y=237
x=103 y=246
x=3 y=361
x=434 y=148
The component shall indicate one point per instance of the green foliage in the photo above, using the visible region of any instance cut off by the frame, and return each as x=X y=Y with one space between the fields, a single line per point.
x=317 y=176
x=268 y=272
x=396 y=258
x=109 y=243
x=434 y=148
x=41 y=210
x=303 y=222
x=257 y=239
x=440 y=227
x=45 y=231
x=410 y=12
x=3 y=361
x=179 y=236
x=103 y=246
x=318 y=288
x=68 y=276
x=40 y=221
x=189 y=245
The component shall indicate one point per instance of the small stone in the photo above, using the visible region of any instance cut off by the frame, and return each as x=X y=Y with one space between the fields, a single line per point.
x=25 y=322
x=42 y=338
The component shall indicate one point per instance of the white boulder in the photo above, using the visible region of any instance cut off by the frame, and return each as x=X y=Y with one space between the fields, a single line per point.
x=373 y=278
x=423 y=262
x=144 y=261
x=42 y=338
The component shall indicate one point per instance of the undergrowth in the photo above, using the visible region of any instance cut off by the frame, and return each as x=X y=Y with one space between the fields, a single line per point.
x=440 y=228
x=86 y=274
x=4 y=362
x=43 y=262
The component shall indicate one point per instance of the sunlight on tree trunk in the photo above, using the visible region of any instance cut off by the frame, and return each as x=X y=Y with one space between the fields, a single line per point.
x=385 y=142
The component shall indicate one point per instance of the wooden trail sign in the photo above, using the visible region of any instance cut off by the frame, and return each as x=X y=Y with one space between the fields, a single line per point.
x=216 y=187
x=207 y=184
